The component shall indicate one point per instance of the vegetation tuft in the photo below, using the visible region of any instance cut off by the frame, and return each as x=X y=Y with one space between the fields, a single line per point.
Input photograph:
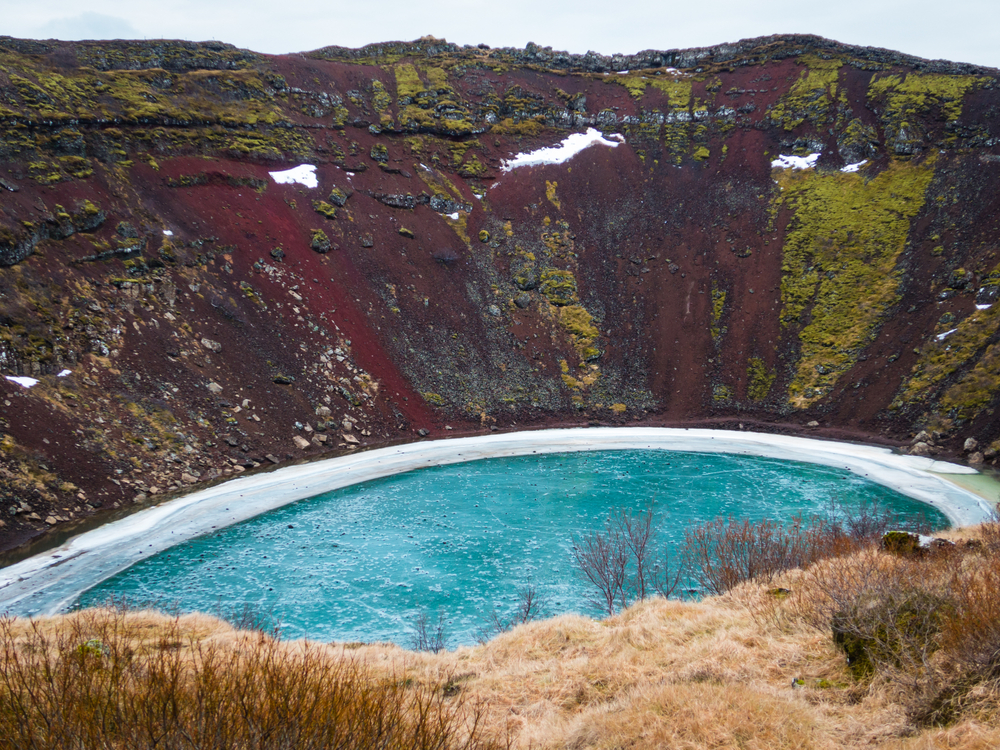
x=109 y=679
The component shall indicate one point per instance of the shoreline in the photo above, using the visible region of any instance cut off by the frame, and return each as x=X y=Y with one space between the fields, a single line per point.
x=51 y=581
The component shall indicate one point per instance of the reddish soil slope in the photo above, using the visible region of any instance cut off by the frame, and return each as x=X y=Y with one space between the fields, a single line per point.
x=214 y=321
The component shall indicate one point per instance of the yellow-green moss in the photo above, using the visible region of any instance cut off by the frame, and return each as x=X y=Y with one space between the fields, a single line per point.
x=557 y=286
x=550 y=193
x=913 y=94
x=380 y=97
x=325 y=209
x=721 y=393
x=939 y=359
x=906 y=102
x=840 y=263
x=433 y=398
x=976 y=389
x=759 y=379
x=678 y=90
x=408 y=83
x=718 y=309
x=812 y=95
x=583 y=333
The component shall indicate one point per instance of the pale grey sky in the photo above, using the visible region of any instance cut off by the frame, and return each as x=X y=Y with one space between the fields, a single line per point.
x=960 y=30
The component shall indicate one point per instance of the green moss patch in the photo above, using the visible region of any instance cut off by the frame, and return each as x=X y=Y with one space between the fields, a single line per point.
x=839 y=274
x=558 y=287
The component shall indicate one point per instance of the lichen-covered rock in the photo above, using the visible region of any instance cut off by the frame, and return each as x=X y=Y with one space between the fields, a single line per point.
x=558 y=286
x=319 y=241
x=396 y=200
x=339 y=196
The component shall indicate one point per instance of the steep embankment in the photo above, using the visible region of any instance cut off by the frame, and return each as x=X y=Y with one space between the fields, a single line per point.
x=213 y=320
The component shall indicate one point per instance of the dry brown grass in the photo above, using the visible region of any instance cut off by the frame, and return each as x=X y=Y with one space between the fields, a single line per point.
x=712 y=674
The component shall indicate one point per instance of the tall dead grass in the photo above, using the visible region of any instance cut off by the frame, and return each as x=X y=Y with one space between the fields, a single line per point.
x=106 y=679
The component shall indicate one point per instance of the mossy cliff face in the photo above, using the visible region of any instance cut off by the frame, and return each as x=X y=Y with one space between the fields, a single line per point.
x=188 y=318
x=840 y=268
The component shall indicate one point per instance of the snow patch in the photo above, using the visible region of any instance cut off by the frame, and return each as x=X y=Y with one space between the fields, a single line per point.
x=795 y=162
x=167 y=233
x=24 y=382
x=304 y=174
x=570 y=147
x=946 y=334
x=453 y=217
x=854 y=167
x=64 y=373
x=983 y=307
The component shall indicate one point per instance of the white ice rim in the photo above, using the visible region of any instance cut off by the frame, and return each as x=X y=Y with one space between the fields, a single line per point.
x=52 y=581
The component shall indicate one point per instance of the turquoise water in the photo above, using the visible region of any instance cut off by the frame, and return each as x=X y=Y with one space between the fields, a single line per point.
x=362 y=563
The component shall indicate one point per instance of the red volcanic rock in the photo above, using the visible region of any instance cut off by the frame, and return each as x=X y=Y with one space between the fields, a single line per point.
x=773 y=234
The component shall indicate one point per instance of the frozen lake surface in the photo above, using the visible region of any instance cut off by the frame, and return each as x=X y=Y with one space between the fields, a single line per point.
x=361 y=563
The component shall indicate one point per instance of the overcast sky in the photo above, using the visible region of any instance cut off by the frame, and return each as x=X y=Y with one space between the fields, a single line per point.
x=959 y=30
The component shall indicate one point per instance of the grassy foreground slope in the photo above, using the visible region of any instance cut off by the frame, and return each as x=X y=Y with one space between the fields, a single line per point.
x=754 y=668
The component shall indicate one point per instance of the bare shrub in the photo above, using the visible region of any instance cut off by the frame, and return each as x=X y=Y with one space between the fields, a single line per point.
x=530 y=605
x=622 y=563
x=253 y=617
x=602 y=558
x=728 y=551
x=989 y=533
x=912 y=622
x=867 y=523
x=428 y=634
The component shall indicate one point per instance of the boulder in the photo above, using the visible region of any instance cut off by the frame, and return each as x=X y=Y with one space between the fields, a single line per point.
x=339 y=196
x=300 y=442
x=970 y=445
